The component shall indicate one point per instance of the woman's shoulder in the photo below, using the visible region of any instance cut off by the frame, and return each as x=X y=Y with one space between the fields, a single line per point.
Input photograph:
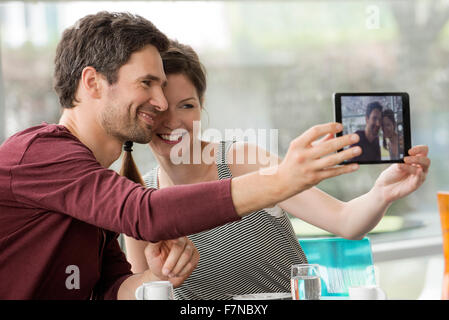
x=244 y=157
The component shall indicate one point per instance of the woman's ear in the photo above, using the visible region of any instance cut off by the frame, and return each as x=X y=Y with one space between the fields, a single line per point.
x=91 y=82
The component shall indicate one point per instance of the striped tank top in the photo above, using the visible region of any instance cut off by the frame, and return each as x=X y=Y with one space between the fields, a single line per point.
x=253 y=255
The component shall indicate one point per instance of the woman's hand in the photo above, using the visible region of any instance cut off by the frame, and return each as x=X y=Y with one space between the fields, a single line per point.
x=172 y=260
x=401 y=179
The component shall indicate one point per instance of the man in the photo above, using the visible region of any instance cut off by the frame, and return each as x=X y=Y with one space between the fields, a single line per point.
x=369 y=138
x=61 y=208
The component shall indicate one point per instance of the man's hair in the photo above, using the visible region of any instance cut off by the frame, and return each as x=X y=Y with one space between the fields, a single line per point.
x=104 y=41
x=371 y=106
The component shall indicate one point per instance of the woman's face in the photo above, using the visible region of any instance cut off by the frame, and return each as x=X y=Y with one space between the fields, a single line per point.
x=387 y=127
x=184 y=108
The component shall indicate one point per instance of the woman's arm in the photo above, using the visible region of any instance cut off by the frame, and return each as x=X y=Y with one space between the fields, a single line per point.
x=135 y=254
x=353 y=219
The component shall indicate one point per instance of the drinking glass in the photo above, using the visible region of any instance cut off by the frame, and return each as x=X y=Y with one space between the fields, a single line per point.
x=305 y=282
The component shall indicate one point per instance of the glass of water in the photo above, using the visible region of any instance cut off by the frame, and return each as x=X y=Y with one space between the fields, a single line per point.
x=305 y=282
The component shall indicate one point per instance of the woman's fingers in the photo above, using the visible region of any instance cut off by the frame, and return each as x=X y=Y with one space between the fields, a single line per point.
x=185 y=263
x=410 y=169
x=337 y=171
x=421 y=161
x=180 y=257
x=176 y=249
x=419 y=150
x=188 y=267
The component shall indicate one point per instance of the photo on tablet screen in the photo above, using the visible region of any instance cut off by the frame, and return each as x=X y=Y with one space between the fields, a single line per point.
x=380 y=120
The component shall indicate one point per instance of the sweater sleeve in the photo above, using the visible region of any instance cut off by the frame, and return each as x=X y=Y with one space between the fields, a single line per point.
x=59 y=174
x=114 y=270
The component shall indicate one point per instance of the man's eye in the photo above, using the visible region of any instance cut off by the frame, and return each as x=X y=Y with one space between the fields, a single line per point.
x=146 y=83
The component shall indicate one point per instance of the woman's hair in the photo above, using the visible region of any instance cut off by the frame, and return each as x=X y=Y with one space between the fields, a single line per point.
x=182 y=59
x=390 y=115
x=129 y=168
x=178 y=59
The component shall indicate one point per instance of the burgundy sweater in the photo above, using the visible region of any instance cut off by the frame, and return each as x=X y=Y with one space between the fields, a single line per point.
x=61 y=212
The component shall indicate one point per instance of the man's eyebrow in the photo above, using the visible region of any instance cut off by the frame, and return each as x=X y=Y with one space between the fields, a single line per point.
x=154 y=78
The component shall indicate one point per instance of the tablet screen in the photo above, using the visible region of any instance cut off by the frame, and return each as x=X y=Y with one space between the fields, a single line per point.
x=380 y=120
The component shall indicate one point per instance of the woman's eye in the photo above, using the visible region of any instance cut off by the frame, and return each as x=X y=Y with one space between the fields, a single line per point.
x=188 y=106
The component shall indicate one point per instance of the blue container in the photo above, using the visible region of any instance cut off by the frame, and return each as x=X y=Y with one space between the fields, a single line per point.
x=343 y=263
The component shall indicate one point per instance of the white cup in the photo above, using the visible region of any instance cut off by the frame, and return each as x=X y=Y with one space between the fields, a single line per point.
x=155 y=290
x=366 y=293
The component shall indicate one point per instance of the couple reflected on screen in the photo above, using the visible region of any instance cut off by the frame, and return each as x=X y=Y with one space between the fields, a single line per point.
x=379 y=119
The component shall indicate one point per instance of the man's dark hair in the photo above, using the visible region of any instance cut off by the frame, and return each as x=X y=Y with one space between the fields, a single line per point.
x=371 y=106
x=104 y=41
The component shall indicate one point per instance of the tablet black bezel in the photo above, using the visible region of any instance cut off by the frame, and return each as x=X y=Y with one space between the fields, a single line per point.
x=405 y=116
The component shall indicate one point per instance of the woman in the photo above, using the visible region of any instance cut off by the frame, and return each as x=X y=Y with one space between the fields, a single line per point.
x=253 y=255
x=390 y=136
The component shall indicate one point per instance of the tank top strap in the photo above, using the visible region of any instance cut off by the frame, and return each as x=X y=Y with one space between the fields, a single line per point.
x=151 y=178
x=221 y=160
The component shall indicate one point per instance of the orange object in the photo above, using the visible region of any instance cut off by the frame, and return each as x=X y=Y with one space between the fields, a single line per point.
x=443 y=205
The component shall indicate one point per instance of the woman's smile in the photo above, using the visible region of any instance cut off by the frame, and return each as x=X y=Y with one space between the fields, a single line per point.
x=171 y=139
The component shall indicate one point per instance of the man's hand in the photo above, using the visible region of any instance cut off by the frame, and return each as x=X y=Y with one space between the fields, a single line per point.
x=172 y=260
x=306 y=164
x=309 y=161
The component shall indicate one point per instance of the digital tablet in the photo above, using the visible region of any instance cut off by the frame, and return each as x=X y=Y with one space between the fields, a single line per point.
x=382 y=121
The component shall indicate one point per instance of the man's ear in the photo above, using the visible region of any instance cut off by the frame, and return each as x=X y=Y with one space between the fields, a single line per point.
x=92 y=82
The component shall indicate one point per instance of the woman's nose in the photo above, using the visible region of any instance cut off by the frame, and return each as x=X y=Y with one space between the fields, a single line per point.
x=169 y=119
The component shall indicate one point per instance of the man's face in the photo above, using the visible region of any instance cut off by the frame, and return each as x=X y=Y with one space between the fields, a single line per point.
x=131 y=103
x=373 y=123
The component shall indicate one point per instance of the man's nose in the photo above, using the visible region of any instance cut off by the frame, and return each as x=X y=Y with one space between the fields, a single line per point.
x=158 y=100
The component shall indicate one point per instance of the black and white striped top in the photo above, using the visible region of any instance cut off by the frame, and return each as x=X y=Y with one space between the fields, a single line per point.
x=253 y=255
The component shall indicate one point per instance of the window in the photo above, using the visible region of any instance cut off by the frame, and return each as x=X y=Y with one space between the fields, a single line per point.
x=270 y=64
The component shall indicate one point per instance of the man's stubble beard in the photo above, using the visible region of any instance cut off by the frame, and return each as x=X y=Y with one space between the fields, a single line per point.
x=124 y=129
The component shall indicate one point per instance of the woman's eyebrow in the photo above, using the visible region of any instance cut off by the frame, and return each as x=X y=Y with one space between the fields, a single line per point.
x=187 y=99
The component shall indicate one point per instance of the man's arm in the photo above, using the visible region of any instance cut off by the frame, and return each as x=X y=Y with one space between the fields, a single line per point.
x=114 y=269
x=67 y=179
x=59 y=174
